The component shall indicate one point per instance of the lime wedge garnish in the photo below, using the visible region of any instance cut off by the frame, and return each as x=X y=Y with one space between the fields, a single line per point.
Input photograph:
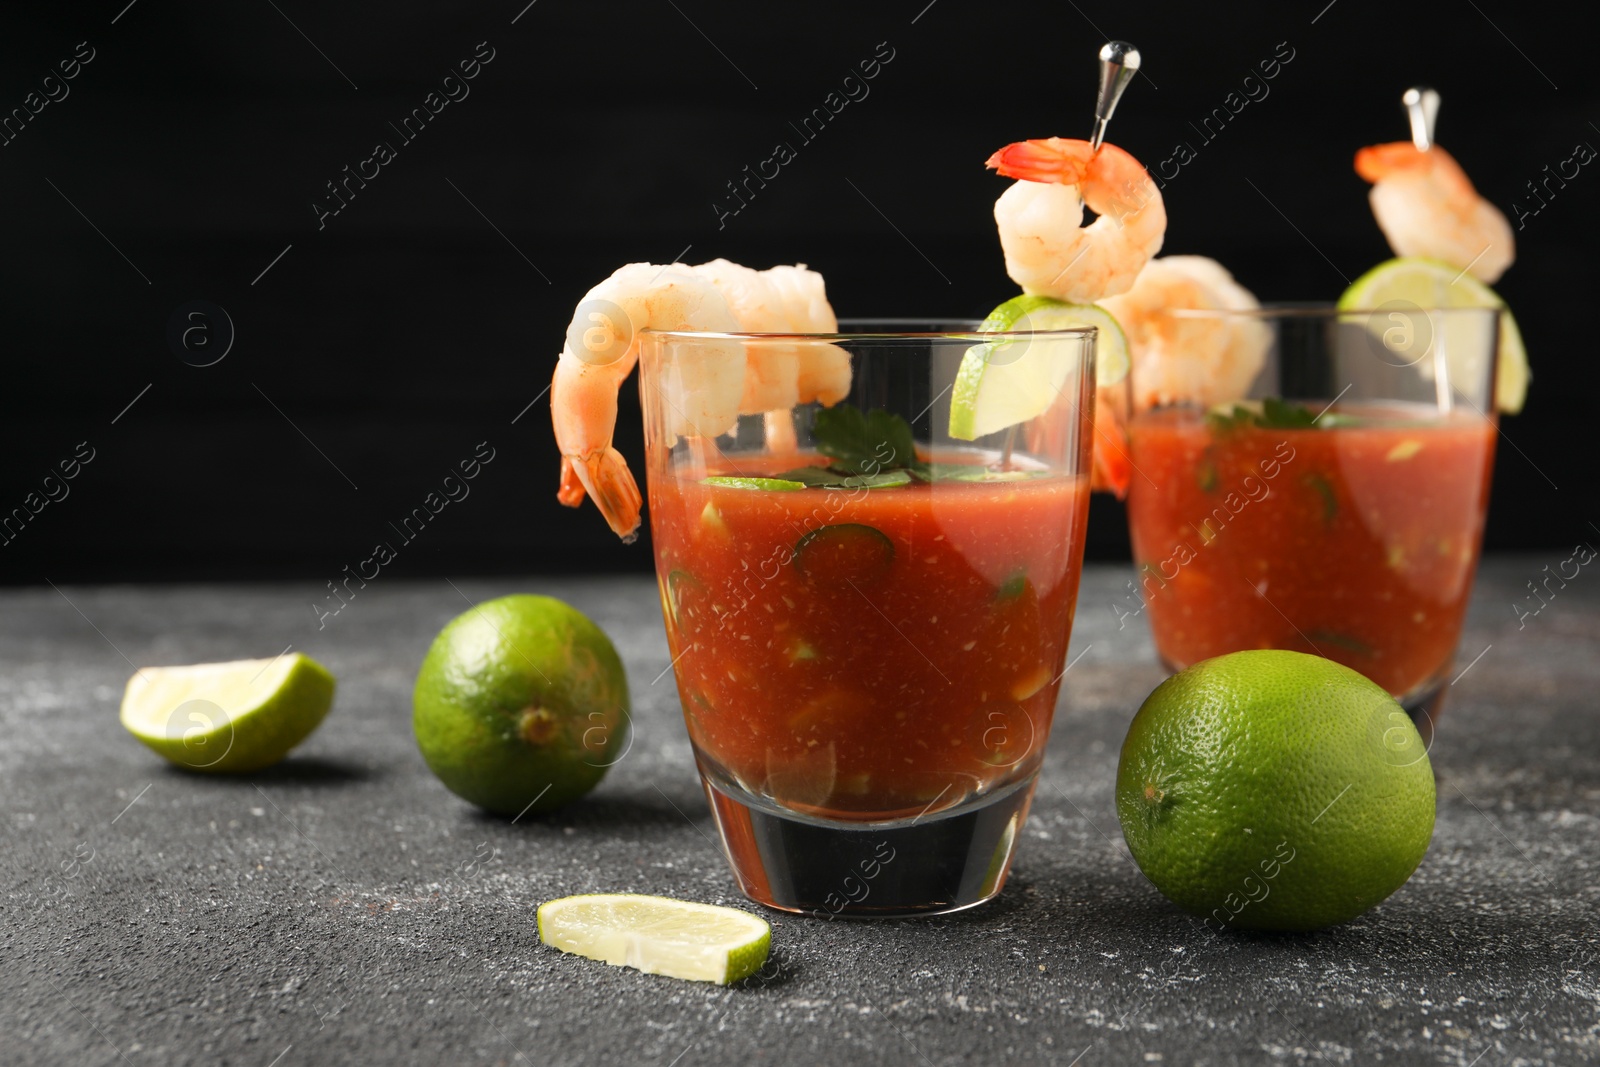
x=1432 y=283
x=1046 y=313
x=1007 y=383
x=782 y=485
x=228 y=717
x=658 y=935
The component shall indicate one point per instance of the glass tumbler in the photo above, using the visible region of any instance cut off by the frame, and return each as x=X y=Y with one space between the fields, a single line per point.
x=868 y=614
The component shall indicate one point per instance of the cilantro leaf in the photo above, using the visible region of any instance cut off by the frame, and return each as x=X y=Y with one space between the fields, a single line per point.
x=882 y=480
x=1222 y=421
x=1281 y=415
x=865 y=443
x=812 y=476
x=1275 y=414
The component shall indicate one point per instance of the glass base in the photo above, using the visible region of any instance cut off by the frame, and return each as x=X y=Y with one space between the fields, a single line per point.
x=942 y=862
x=1424 y=706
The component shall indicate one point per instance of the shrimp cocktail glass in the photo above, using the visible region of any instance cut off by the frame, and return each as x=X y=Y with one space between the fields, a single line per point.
x=868 y=596
x=1335 y=505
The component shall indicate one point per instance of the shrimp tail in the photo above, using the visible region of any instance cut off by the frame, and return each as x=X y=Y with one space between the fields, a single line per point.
x=1053 y=159
x=605 y=476
x=1112 y=470
x=1379 y=161
x=572 y=491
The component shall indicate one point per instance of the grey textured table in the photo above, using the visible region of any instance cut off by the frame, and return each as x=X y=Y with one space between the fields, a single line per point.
x=343 y=907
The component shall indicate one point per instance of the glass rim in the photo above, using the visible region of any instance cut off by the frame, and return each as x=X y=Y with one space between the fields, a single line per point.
x=1316 y=311
x=953 y=330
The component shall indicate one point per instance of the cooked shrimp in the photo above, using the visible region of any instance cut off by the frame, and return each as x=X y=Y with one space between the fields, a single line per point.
x=1189 y=359
x=782 y=299
x=824 y=369
x=805 y=298
x=1426 y=206
x=1047 y=251
x=772 y=377
x=701 y=390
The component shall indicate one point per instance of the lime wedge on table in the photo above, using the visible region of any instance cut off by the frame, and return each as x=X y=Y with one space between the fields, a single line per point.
x=658 y=935
x=1008 y=383
x=1432 y=283
x=228 y=717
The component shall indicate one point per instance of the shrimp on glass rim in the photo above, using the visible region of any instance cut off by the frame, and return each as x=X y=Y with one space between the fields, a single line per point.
x=1426 y=206
x=704 y=393
x=1189 y=359
x=782 y=299
x=601 y=349
x=1048 y=251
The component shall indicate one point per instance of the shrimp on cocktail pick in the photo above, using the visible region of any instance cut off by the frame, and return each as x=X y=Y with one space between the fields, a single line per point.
x=1196 y=359
x=602 y=346
x=1425 y=204
x=1048 y=252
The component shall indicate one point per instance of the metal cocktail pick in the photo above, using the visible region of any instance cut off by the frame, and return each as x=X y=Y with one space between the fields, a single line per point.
x=1119 y=62
x=1422 y=107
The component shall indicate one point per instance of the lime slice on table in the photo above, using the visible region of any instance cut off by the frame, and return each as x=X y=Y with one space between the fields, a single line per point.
x=228 y=717
x=1005 y=384
x=658 y=935
x=1432 y=283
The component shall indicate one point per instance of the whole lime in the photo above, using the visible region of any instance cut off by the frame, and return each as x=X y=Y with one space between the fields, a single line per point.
x=521 y=705
x=1274 y=790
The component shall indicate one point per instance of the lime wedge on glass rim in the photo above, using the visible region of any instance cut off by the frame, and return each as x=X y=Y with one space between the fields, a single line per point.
x=1003 y=384
x=1432 y=283
x=228 y=717
x=658 y=935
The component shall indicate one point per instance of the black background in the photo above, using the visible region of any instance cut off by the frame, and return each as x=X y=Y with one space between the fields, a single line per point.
x=381 y=349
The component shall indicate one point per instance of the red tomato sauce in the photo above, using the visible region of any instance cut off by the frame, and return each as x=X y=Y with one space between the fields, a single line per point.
x=1357 y=542
x=869 y=653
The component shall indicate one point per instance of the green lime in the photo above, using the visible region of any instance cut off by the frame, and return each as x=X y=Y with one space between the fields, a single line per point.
x=228 y=717
x=658 y=935
x=1006 y=383
x=521 y=705
x=1432 y=283
x=782 y=485
x=1274 y=790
